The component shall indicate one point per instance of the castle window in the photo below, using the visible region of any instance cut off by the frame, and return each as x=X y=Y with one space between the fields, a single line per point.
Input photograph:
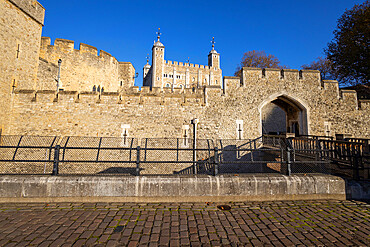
x=102 y=89
x=216 y=81
x=98 y=89
x=167 y=85
x=178 y=76
x=181 y=86
x=171 y=76
x=157 y=78
x=193 y=79
x=121 y=83
x=94 y=88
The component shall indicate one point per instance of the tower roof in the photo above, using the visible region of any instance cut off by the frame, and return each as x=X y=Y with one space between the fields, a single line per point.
x=147 y=65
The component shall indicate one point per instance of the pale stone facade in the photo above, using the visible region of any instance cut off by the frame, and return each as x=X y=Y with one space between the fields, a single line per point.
x=172 y=74
x=21 y=24
x=231 y=108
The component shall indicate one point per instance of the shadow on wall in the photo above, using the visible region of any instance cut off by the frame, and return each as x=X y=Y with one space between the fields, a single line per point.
x=273 y=119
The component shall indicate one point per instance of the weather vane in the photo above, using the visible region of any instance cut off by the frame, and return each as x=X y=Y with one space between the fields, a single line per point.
x=159 y=33
x=147 y=58
x=188 y=60
x=213 y=43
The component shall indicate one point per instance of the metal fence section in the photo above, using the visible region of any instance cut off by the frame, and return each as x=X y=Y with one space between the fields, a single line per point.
x=97 y=155
x=27 y=154
x=347 y=158
x=128 y=156
x=176 y=156
x=249 y=156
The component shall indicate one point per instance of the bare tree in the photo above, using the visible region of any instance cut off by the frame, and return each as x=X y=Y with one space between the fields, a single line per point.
x=324 y=65
x=258 y=59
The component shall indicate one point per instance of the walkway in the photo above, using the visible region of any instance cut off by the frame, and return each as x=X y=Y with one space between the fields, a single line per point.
x=305 y=223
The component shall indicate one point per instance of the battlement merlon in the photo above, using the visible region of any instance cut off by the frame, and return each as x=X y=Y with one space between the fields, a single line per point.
x=31 y=8
x=84 y=48
x=252 y=73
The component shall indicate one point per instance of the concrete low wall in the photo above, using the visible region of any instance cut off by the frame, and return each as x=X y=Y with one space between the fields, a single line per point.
x=199 y=188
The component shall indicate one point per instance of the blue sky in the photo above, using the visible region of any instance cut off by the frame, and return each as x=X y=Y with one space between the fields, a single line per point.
x=294 y=31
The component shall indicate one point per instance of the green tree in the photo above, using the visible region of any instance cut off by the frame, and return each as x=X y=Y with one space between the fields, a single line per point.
x=349 y=50
x=258 y=59
x=324 y=65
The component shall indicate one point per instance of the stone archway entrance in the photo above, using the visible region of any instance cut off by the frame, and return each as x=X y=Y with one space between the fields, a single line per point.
x=282 y=114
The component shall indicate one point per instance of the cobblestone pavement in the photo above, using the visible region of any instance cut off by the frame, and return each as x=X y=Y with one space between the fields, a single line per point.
x=305 y=223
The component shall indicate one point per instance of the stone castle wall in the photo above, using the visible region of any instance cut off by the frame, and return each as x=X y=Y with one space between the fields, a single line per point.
x=20 y=33
x=159 y=113
x=83 y=68
x=30 y=105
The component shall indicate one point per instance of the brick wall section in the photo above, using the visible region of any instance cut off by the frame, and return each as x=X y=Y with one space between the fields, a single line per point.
x=126 y=75
x=46 y=75
x=162 y=114
x=82 y=69
x=20 y=32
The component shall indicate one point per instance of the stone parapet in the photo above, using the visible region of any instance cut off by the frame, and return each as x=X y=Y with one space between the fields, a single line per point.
x=170 y=188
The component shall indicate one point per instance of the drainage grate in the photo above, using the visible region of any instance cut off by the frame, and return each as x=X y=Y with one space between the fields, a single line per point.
x=118 y=229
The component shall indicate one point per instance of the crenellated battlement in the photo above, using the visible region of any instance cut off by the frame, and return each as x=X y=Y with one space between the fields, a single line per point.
x=67 y=46
x=83 y=68
x=144 y=96
x=280 y=74
x=189 y=65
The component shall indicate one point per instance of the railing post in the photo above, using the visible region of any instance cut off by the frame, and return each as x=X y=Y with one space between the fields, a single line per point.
x=56 y=161
x=356 y=167
x=289 y=161
x=138 y=161
x=195 y=122
x=216 y=161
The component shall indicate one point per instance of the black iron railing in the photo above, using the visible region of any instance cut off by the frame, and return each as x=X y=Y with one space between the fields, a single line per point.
x=128 y=156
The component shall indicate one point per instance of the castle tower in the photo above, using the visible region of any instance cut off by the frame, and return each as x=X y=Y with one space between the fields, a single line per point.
x=146 y=68
x=157 y=62
x=213 y=56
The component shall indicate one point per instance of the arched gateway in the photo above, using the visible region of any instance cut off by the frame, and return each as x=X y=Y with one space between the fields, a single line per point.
x=282 y=113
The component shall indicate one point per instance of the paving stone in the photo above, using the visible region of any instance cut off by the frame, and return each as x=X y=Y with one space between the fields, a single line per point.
x=293 y=223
